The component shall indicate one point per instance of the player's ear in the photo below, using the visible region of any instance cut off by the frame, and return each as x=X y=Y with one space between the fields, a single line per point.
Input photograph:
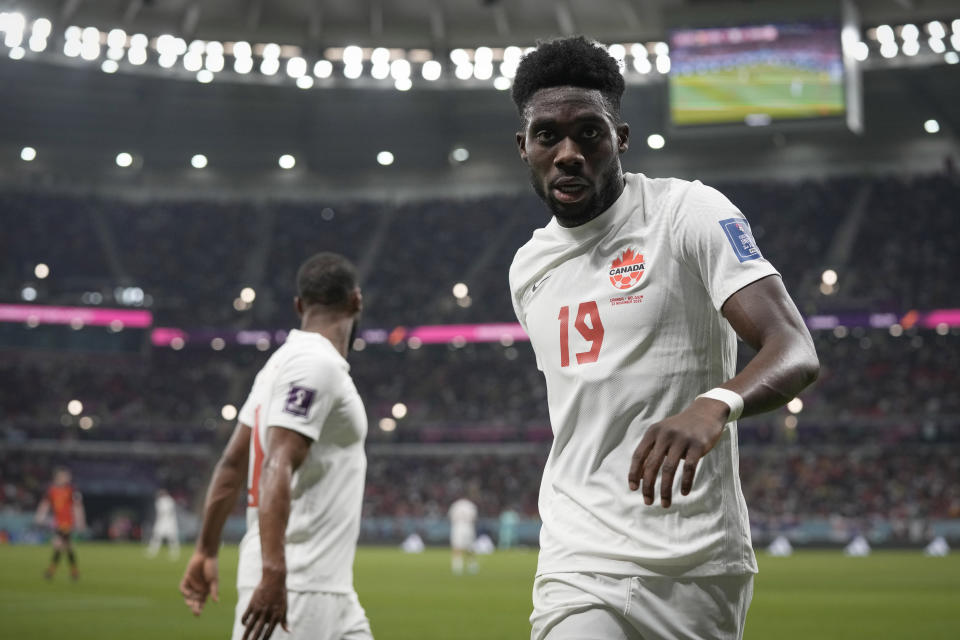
x=298 y=305
x=356 y=301
x=623 y=137
x=522 y=145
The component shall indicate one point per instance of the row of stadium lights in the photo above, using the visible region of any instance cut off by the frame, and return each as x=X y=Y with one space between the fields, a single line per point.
x=910 y=36
x=229 y=413
x=207 y=58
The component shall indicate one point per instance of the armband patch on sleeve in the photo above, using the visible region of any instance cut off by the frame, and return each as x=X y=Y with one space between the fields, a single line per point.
x=741 y=239
x=299 y=399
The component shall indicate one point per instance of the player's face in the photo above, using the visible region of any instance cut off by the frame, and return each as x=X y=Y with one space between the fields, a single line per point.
x=61 y=478
x=572 y=144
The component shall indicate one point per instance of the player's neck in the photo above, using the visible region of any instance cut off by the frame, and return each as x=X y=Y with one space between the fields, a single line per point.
x=335 y=327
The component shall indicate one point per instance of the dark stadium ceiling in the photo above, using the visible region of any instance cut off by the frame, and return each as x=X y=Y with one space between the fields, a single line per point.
x=438 y=24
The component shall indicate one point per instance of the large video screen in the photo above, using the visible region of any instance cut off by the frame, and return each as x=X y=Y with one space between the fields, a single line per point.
x=756 y=74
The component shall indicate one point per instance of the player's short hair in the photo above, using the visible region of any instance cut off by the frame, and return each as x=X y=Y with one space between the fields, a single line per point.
x=569 y=62
x=326 y=279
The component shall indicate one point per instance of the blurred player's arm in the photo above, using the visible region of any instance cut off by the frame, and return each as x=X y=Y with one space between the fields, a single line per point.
x=765 y=317
x=286 y=451
x=201 y=577
x=42 y=510
x=79 y=513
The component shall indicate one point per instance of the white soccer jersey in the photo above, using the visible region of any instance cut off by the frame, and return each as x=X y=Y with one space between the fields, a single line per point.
x=166 y=509
x=624 y=316
x=306 y=387
x=463 y=519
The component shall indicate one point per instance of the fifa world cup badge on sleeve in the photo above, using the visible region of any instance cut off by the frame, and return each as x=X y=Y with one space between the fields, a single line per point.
x=741 y=239
x=299 y=400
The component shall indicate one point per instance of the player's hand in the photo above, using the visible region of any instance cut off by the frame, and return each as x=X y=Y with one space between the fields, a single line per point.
x=201 y=579
x=267 y=608
x=686 y=436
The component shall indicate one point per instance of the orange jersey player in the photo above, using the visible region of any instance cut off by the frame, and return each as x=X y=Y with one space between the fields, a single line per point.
x=67 y=507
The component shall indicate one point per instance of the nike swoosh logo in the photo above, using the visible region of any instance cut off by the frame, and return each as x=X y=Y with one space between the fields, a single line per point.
x=541 y=281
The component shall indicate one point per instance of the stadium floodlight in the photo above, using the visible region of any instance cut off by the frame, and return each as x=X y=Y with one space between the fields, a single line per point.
x=269 y=66
x=89 y=49
x=399 y=411
x=512 y=55
x=28 y=154
x=166 y=45
x=909 y=32
x=896 y=330
x=508 y=70
x=380 y=71
x=214 y=63
x=109 y=66
x=287 y=161
x=167 y=61
x=431 y=70
x=242 y=49
x=795 y=405
x=400 y=69
x=642 y=64
x=28 y=293
x=71 y=48
x=177 y=343
x=114 y=53
x=388 y=424
x=139 y=41
x=13 y=29
x=72 y=32
x=459 y=57
x=37 y=44
x=885 y=33
x=218 y=344
x=829 y=277
x=214 y=48
x=17 y=53
x=323 y=69
x=617 y=51
x=271 y=50
x=459 y=154
x=931 y=126
x=137 y=55
x=663 y=64
x=193 y=60
x=248 y=294
x=461 y=290
x=243 y=65
x=936 y=45
x=955 y=40
x=483 y=71
x=198 y=161
x=305 y=82
x=41 y=270
x=117 y=39
x=936 y=30
x=74 y=407
x=483 y=55
x=464 y=71
x=661 y=48
x=353 y=71
x=385 y=158
x=403 y=84
x=380 y=55
x=41 y=28
x=951 y=57
x=502 y=83
x=204 y=76
x=790 y=422
x=352 y=55
x=124 y=159
x=655 y=141
x=911 y=48
x=296 y=67
x=888 y=49
x=955 y=25
x=228 y=412
x=860 y=51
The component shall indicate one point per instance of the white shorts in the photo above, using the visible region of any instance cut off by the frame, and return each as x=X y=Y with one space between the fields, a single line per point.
x=591 y=606
x=314 y=615
x=462 y=538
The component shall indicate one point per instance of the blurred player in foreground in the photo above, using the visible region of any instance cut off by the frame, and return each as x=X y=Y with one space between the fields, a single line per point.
x=463 y=533
x=633 y=296
x=68 y=514
x=165 y=526
x=299 y=439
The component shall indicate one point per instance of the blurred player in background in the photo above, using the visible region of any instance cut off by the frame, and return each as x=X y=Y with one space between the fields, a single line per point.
x=299 y=439
x=165 y=526
x=463 y=533
x=633 y=296
x=66 y=503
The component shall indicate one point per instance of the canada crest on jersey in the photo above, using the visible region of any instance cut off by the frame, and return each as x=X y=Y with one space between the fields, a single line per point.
x=626 y=270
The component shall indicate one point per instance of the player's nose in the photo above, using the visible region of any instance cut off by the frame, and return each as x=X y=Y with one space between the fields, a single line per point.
x=568 y=154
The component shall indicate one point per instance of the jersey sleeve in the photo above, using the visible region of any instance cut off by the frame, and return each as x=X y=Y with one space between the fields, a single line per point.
x=303 y=394
x=713 y=238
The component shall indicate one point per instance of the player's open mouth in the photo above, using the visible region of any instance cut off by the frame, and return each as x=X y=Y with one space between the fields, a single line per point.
x=570 y=193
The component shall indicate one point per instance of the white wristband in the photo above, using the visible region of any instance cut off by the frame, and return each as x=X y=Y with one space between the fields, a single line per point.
x=730 y=398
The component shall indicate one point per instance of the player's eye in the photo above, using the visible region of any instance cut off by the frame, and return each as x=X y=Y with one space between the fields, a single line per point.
x=544 y=136
x=590 y=133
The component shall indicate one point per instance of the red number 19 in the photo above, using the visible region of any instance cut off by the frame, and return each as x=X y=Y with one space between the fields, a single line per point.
x=593 y=333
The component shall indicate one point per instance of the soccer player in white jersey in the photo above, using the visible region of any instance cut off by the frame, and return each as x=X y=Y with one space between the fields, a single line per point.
x=463 y=534
x=299 y=441
x=633 y=296
x=165 y=526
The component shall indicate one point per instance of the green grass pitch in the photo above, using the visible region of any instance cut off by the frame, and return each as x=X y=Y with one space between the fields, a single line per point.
x=729 y=96
x=122 y=594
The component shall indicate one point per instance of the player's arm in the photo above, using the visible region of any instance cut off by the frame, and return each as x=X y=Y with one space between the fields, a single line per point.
x=42 y=510
x=285 y=452
x=765 y=317
x=79 y=513
x=201 y=576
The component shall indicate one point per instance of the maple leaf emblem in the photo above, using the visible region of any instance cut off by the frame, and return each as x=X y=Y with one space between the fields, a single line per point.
x=628 y=257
